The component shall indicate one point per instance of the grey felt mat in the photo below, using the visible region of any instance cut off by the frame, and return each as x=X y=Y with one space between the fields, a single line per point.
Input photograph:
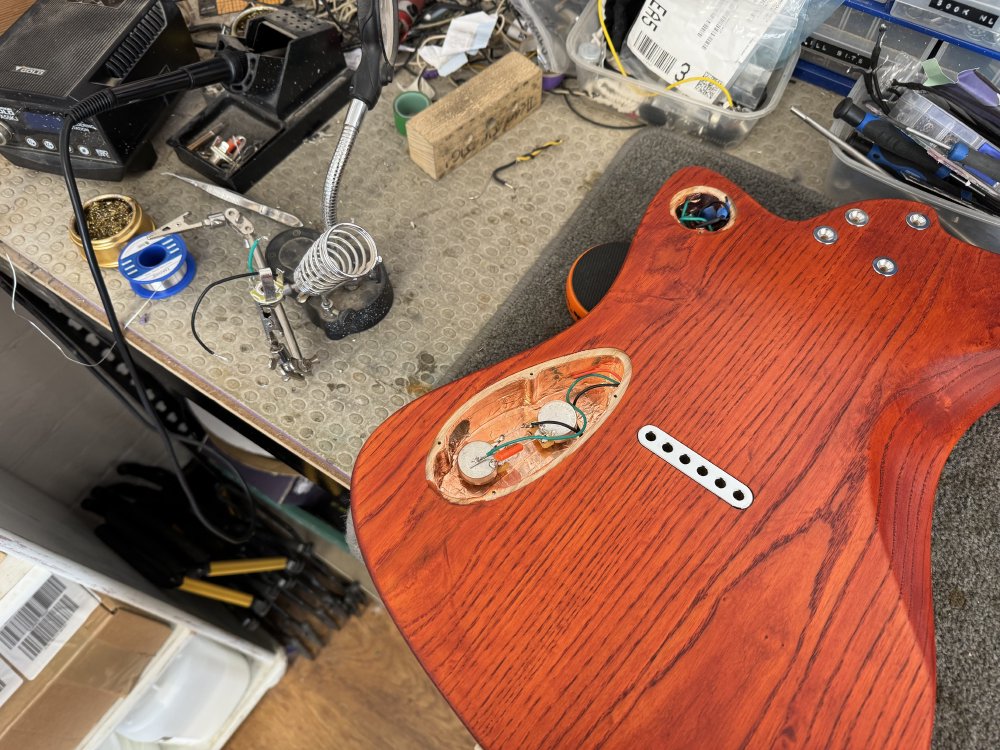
x=966 y=535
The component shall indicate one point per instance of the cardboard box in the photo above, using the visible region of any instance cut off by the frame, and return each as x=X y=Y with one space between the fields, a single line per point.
x=11 y=10
x=97 y=667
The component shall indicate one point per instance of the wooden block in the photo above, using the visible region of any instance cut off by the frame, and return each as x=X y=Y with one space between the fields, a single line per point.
x=11 y=10
x=470 y=117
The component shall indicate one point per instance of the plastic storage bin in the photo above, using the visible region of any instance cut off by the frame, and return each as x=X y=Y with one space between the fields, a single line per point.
x=844 y=43
x=921 y=114
x=193 y=697
x=977 y=21
x=848 y=180
x=721 y=126
x=953 y=60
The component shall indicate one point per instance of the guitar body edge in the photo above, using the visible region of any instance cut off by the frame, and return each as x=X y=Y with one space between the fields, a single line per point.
x=616 y=602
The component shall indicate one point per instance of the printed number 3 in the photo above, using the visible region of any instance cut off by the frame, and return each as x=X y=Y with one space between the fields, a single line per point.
x=681 y=74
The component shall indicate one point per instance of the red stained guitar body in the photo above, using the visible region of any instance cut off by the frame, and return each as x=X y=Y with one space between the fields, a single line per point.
x=611 y=601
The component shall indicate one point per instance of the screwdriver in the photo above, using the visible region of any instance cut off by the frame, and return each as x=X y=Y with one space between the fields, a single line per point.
x=891 y=140
x=986 y=165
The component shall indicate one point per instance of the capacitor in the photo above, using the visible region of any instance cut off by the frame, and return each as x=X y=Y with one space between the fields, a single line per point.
x=474 y=466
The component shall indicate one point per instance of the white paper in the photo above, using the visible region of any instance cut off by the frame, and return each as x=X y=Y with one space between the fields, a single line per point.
x=39 y=614
x=713 y=38
x=470 y=33
x=443 y=63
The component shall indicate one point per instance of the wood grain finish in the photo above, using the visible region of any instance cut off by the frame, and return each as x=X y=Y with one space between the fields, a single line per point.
x=614 y=602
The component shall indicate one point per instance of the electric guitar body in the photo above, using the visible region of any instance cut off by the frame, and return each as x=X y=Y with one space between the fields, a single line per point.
x=771 y=590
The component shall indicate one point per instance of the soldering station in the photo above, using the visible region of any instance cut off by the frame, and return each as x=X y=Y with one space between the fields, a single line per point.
x=616 y=347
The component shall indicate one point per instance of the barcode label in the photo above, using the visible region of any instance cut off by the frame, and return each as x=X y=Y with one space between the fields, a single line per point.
x=48 y=628
x=29 y=615
x=9 y=681
x=647 y=48
x=676 y=39
x=38 y=616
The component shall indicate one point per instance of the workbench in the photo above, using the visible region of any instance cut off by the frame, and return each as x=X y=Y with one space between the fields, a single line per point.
x=453 y=248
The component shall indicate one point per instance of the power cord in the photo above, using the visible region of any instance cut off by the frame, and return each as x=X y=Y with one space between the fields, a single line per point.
x=123 y=396
x=225 y=67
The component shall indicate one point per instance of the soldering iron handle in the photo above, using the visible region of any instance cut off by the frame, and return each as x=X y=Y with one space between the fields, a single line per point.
x=887 y=136
x=378 y=49
x=228 y=66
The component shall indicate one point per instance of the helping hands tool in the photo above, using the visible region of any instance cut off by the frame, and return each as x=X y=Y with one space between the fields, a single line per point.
x=268 y=294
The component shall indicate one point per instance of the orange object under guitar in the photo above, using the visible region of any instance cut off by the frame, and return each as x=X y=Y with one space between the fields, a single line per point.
x=771 y=590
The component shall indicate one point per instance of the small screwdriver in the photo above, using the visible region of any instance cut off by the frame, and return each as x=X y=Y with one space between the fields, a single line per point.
x=985 y=164
x=891 y=140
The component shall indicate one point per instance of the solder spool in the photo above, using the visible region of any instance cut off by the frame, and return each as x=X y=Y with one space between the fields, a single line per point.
x=157 y=268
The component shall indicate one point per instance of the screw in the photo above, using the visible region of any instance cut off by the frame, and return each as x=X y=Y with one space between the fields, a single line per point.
x=856 y=217
x=826 y=235
x=918 y=220
x=885 y=266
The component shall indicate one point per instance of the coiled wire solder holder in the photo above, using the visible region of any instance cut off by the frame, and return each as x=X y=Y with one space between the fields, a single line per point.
x=341 y=268
x=339 y=274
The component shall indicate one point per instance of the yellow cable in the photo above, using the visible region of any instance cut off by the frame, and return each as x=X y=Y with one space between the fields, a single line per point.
x=607 y=38
x=532 y=154
x=675 y=84
x=614 y=52
x=714 y=81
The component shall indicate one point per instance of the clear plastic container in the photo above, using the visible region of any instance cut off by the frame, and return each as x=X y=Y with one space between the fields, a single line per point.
x=954 y=59
x=844 y=43
x=977 y=21
x=193 y=697
x=717 y=124
x=549 y=22
x=848 y=180
x=920 y=113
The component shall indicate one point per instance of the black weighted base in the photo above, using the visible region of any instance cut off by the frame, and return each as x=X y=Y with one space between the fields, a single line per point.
x=345 y=311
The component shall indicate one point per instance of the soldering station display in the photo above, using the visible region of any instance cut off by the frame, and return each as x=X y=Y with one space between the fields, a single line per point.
x=59 y=53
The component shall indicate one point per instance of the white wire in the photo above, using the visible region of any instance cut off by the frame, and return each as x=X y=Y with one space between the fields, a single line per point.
x=29 y=321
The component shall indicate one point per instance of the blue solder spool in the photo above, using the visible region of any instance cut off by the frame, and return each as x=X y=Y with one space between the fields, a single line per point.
x=157 y=268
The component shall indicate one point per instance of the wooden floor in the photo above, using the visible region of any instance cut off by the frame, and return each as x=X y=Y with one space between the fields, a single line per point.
x=366 y=690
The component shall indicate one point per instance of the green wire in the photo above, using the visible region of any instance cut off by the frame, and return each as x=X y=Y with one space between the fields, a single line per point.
x=572 y=435
x=547 y=438
x=686 y=217
x=250 y=255
x=569 y=391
